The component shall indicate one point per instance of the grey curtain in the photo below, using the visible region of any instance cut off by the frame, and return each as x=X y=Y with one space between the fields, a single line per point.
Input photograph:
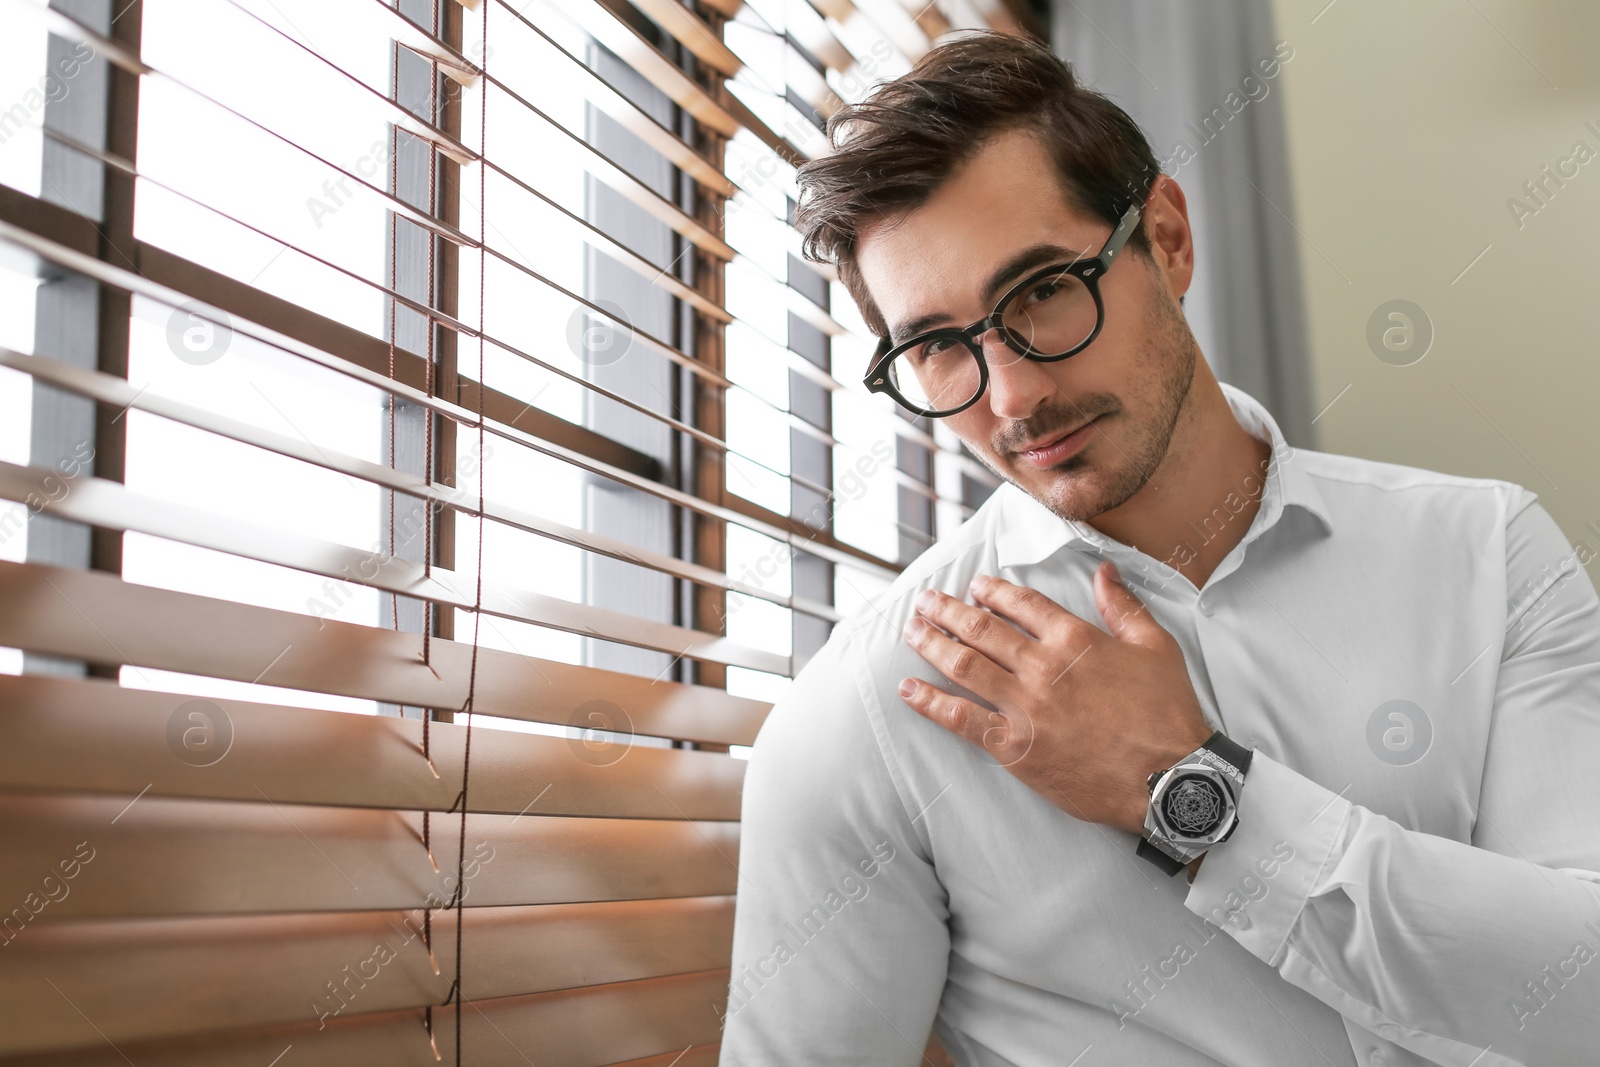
x=1195 y=77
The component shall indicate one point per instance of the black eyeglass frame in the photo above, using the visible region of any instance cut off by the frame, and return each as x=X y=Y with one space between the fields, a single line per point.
x=1089 y=271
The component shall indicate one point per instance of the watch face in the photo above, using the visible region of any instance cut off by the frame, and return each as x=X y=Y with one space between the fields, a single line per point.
x=1193 y=805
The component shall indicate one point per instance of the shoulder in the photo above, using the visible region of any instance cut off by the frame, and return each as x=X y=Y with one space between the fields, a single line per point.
x=822 y=707
x=841 y=711
x=1373 y=488
x=820 y=770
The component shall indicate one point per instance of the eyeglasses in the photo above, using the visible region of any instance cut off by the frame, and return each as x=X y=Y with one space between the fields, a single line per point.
x=1049 y=315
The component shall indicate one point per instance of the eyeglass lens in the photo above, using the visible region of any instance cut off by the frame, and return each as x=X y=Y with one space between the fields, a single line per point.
x=1050 y=316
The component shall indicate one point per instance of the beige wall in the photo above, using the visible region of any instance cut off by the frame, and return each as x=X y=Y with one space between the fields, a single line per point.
x=1410 y=125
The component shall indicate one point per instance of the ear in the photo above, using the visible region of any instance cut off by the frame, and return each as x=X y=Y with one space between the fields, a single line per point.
x=1166 y=224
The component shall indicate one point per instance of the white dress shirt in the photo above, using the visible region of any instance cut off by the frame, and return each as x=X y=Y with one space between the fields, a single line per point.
x=1414 y=658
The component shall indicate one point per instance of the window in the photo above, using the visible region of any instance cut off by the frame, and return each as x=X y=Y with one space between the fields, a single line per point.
x=424 y=457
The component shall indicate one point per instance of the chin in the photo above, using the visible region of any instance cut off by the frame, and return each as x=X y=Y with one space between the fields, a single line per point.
x=1081 y=491
x=1073 y=490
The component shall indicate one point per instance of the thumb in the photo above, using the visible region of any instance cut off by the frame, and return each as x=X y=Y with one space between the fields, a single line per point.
x=1125 y=613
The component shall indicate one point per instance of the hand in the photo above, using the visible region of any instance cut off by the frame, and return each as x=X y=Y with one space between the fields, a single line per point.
x=1083 y=716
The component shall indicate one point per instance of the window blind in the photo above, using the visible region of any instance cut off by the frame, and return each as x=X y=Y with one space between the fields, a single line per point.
x=427 y=457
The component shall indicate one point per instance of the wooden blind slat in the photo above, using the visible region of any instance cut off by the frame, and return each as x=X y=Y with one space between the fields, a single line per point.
x=602 y=94
x=105 y=503
x=304 y=756
x=704 y=1056
x=692 y=32
x=587 y=1027
x=156 y=980
x=158 y=857
x=49 y=610
x=623 y=40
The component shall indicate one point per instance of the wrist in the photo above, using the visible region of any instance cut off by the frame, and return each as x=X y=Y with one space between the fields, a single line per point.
x=1193 y=805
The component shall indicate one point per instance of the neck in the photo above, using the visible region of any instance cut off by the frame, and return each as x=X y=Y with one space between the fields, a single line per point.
x=1205 y=494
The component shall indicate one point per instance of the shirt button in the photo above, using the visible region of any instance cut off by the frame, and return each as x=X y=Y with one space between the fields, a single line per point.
x=1208 y=606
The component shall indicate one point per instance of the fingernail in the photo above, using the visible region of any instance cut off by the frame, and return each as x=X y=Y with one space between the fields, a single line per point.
x=980 y=584
x=907 y=687
x=913 y=627
x=925 y=599
x=1116 y=575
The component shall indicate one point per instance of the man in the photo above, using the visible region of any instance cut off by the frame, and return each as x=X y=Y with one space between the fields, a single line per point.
x=1358 y=703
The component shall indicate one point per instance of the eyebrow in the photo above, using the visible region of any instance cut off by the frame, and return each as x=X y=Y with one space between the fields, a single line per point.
x=1034 y=256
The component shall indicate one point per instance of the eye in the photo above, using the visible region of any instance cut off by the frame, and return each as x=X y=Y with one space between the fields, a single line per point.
x=931 y=349
x=1041 y=292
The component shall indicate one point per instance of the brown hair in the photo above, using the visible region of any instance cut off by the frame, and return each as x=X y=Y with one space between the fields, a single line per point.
x=894 y=148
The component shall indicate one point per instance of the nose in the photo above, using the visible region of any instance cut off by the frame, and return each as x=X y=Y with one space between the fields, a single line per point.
x=1017 y=386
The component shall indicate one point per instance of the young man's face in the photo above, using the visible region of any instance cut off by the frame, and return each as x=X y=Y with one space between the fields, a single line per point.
x=952 y=257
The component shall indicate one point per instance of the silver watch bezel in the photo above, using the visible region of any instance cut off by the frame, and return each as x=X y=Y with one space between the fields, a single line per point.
x=1207 y=764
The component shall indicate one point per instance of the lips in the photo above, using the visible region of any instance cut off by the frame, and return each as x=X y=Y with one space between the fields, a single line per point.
x=1059 y=448
x=1045 y=442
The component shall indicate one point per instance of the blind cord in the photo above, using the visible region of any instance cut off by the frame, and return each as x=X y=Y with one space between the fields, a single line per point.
x=477 y=614
x=394 y=283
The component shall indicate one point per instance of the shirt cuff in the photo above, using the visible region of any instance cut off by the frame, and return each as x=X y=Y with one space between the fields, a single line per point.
x=1255 y=884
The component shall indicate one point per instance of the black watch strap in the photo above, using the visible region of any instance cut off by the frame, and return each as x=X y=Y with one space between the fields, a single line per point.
x=1168 y=865
x=1229 y=750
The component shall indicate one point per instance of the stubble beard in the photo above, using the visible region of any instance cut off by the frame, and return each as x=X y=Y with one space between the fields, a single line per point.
x=1070 y=494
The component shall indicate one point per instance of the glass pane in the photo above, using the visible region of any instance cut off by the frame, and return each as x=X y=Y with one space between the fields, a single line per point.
x=26 y=87
x=307 y=229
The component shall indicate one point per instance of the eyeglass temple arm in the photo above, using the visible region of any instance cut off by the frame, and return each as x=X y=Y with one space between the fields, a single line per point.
x=1120 y=235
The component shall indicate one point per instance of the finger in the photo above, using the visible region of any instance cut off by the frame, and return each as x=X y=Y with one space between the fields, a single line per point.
x=960 y=716
x=963 y=664
x=1009 y=735
x=1124 y=612
x=1028 y=608
x=974 y=627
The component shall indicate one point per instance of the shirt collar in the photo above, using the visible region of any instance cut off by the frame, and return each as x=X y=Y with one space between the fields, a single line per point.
x=1029 y=532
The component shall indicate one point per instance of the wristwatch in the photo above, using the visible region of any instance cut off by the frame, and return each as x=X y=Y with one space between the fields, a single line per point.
x=1194 y=804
